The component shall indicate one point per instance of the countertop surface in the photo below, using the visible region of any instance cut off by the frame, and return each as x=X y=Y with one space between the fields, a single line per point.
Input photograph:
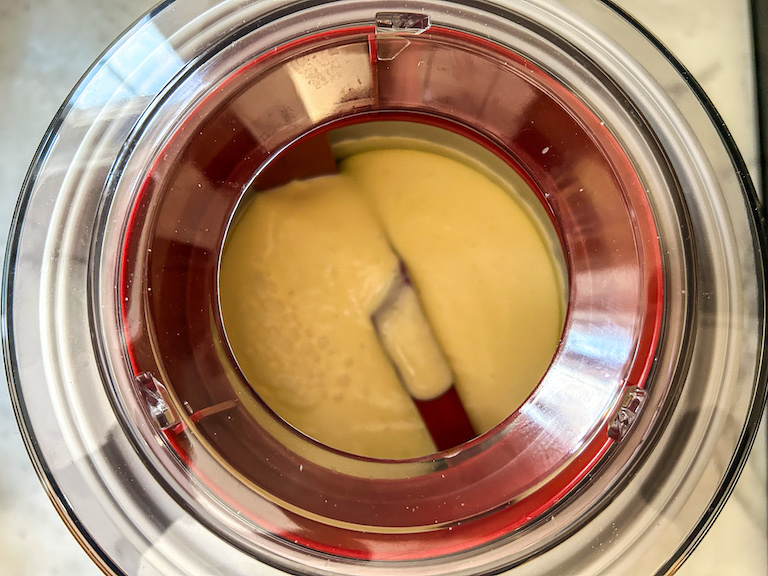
x=45 y=46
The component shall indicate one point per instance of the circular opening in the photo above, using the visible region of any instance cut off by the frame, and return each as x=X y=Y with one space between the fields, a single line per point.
x=391 y=289
x=582 y=188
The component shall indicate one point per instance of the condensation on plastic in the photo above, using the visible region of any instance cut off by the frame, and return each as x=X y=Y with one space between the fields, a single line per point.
x=138 y=508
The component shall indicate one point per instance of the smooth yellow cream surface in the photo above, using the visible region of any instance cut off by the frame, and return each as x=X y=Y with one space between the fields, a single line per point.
x=307 y=264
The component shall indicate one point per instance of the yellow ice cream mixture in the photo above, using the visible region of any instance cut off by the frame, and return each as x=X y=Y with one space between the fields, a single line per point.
x=307 y=264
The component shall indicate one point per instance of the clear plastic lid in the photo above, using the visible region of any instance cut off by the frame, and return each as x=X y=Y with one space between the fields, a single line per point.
x=135 y=408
